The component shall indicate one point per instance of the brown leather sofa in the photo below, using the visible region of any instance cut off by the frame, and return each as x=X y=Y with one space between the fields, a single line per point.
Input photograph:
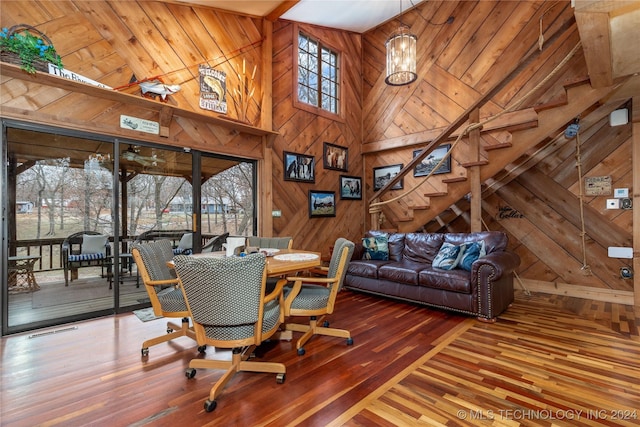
x=485 y=291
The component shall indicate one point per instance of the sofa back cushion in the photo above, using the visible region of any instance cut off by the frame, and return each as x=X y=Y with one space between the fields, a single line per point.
x=422 y=247
x=493 y=240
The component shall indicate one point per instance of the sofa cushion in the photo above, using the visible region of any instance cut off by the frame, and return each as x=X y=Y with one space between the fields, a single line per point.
x=376 y=247
x=422 y=247
x=493 y=240
x=364 y=268
x=448 y=256
x=401 y=272
x=472 y=252
x=447 y=280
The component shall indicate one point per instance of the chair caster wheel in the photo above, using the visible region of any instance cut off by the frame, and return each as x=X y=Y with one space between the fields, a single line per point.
x=349 y=341
x=325 y=323
x=202 y=349
x=280 y=378
x=145 y=352
x=169 y=330
x=190 y=373
x=210 y=405
x=301 y=351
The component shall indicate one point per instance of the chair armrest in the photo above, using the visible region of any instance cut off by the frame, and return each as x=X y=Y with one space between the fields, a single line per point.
x=312 y=279
x=174 y=282
x=277 y=291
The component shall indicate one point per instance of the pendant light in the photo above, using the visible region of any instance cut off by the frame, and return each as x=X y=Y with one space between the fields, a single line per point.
x=401 y=56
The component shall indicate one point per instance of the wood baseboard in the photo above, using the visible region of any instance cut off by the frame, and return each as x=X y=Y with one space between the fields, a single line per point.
x=576 y=291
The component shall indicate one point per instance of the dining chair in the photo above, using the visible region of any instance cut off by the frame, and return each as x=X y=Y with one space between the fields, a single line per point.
x=163 y=288
x=315 y=297
x=270 y=242
x=227 y=301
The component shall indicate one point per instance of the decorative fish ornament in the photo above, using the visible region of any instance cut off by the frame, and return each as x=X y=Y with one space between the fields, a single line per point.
x=156 y=87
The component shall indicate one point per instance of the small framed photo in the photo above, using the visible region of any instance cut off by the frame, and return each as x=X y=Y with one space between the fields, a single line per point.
x=322 y=203
x=350 y=187
x=428 y=163
x=335 y=157
x=299 y=167
x=384 y=174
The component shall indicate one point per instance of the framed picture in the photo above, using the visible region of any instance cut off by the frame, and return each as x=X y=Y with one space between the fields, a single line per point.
x=335 y=157
x=322 y=203
x=350 y=187
x=384 y=174
x=299 y=167
x=427 y=164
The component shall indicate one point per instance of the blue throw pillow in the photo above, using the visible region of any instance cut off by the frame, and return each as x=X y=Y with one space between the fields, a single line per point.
x=448 y=256
x=376 y=248
x=472 y=252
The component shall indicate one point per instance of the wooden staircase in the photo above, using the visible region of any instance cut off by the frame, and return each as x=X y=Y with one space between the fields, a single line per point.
x=445 y=202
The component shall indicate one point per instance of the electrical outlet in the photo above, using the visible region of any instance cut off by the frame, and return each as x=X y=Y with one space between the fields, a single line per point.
x=276 y=213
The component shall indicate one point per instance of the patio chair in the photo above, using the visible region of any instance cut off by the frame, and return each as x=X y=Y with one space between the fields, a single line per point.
x=86 y=249
x=163 y=289
x=215 y=243
x=316 y=296
x=227 y=302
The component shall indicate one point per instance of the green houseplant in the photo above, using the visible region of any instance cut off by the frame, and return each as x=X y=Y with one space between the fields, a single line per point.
x=28 y=47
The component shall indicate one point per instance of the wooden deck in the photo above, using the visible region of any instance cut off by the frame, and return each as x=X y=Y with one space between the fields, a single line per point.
x=548 y=360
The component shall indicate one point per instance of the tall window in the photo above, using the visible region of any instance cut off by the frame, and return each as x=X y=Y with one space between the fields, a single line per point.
x=318 y=74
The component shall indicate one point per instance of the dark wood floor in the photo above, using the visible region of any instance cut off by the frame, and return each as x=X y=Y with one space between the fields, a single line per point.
x=408 y=365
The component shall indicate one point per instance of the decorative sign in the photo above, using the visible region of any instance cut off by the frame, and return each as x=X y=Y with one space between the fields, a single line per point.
x=213 y=89
x=134 y=123
x=505 y=212
x=70 y=75
x=597 y=186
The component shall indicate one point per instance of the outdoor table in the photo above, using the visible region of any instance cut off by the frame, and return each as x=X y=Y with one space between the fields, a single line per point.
x=21 y=277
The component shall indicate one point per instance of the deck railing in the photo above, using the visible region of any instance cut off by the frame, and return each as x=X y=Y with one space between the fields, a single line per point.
x=50 y=250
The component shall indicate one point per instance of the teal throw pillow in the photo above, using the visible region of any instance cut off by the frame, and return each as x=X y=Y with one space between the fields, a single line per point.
x=376 y=248
x=448 y=256
x=472 y=252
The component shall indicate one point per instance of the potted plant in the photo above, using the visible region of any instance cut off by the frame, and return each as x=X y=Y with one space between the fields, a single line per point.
x=31 y=51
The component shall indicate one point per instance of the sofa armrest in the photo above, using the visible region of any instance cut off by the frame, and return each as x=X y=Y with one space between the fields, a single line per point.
x=492 y=281
x=502 y=262
x=358 y=251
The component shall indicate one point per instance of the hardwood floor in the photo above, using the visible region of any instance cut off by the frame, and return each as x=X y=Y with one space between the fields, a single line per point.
x=409 y=365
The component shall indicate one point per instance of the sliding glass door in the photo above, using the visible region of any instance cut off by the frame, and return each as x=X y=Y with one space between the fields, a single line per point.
x=76 y=204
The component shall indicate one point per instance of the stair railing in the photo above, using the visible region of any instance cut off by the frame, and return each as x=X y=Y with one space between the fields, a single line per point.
x=375 y=204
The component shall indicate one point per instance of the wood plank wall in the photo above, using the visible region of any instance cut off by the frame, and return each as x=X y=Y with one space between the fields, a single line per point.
x=111 y=41
x=457 y=62
x=301 y=131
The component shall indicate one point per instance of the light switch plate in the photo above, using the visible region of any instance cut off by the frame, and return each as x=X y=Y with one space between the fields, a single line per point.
x=613 y=203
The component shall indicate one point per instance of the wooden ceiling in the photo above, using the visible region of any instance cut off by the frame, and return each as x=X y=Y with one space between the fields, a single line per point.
x=610 y=35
